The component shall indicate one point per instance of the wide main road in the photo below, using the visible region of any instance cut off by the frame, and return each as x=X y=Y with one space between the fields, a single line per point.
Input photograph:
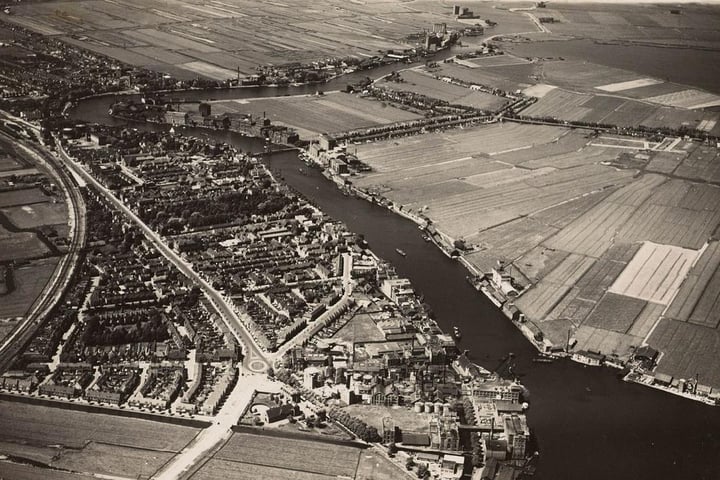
x=254 y=359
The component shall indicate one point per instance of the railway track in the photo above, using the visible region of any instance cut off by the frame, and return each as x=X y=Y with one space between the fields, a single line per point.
x=59 y=281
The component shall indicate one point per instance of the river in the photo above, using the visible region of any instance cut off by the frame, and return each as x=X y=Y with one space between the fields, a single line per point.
x=588 y=424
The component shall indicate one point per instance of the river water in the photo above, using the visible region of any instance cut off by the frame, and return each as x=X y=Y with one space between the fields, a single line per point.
x=588 y=424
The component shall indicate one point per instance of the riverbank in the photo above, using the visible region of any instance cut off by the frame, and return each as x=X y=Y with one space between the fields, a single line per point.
x=483 y=282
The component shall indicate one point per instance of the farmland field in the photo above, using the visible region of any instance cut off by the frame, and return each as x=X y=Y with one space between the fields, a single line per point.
x=8 y=163
x=655 y=273
x=664 y=162
x=29 y=282
x=333 y=112
x=20 y=245
x=232 y=470
x=543 y=297
x=213 y=39
x=701 y=164
x=508 y=78
x=293 y=454
x=22 y=197
x=113 y=460
x=688 y=350
x=592 y=233
x=17 y=471
x=422 y=84
x=31 y=216
x=41 y=425
x=449 y=175
x=698 y=299
x=616 y=313
x=373 y=466
x=604 y=109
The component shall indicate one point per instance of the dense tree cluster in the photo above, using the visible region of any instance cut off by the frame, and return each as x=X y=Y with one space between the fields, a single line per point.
x=131 y=328
x=358 y=427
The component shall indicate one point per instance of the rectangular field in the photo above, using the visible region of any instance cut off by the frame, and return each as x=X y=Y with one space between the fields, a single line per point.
x=41 y=425
x=537 y=302
x=291 y=454
x=593 y=233
x=420 y=83
x=698 y=299
x=22 y=197
x=232 y=470
x=31 y=216
x=30 y=280
x=509 y=78
x=20 y=245
x=615 y=312
x=688 y=350
x=333 y=112
x=18 y=471
x=629 y=84
x=113 y=460
x=702 y=164
x=655 y=273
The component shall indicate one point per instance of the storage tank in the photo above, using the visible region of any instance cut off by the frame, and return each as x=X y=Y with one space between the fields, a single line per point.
x=438 y=408
x=429 y=407
x=418 y=407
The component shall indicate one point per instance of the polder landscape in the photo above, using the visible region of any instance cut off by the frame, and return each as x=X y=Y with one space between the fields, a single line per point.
x=211 y=266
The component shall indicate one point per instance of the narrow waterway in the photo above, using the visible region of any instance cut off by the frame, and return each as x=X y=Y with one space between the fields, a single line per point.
x=589 y=424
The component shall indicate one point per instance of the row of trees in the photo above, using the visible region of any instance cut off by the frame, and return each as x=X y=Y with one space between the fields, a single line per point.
x=364 y=431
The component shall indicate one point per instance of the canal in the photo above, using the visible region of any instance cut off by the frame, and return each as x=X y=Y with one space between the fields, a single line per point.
x=588 y=424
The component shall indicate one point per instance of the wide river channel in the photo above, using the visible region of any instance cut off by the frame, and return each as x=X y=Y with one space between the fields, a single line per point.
x=589 y=425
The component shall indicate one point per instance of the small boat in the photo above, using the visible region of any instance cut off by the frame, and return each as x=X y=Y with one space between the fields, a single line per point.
x=542 y=360
x=456 y=332
x=426 y=238
x=401 y=252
